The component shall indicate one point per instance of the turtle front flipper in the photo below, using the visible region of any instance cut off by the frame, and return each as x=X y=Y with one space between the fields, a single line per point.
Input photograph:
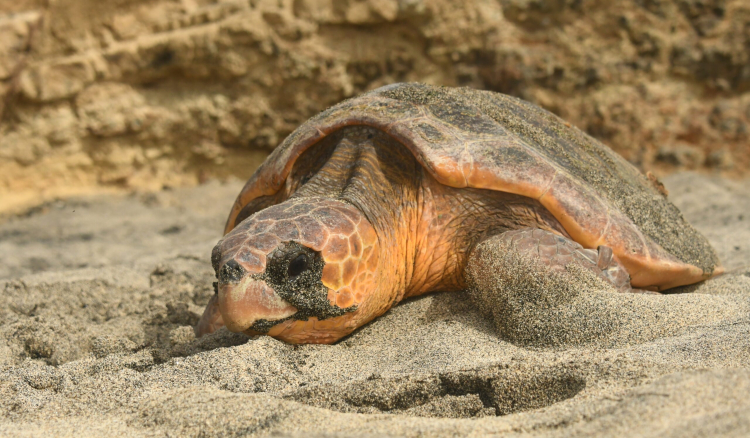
x=528 y=275
x=540 y=289
x=557 y=252
x=527 y=280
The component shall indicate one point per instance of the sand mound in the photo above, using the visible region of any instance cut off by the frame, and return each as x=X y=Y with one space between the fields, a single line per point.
x=96 y=339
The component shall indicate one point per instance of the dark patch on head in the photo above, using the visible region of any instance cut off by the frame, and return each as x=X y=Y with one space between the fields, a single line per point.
x=231 y=272
x=281 y=260
x=294 y=272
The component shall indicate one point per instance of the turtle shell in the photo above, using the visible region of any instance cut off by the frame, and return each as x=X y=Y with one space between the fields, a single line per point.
x=487 y=140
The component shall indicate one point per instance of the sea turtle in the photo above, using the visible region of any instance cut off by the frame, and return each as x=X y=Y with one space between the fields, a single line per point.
x=385 y=196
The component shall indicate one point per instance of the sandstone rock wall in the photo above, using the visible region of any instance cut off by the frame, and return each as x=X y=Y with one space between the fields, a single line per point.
x=135 y=94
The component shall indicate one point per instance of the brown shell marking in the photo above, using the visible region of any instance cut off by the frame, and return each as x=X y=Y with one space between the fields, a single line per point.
x=461 y=147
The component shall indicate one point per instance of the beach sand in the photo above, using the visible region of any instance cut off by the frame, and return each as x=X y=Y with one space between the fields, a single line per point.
x=99 y=296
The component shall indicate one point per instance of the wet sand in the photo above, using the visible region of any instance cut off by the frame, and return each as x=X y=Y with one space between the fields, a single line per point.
x=99 y=296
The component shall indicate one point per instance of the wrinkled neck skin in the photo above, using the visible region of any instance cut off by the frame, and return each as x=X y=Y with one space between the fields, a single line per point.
x=425 y=229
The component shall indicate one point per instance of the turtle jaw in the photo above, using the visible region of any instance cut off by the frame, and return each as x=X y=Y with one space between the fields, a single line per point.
x=250 y=300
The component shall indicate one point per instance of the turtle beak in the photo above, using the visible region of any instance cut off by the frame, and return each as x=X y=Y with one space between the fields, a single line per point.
x=244 y=300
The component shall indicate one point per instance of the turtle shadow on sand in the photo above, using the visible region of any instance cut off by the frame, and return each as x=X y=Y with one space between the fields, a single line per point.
x=533 y=306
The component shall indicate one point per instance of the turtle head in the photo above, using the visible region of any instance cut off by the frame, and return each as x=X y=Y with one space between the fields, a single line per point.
x=301 y=271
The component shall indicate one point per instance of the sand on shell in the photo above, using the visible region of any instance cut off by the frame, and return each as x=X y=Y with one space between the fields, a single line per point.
x=99 y=295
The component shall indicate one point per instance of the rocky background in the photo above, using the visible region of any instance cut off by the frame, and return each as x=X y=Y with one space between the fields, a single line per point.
x=138 y=95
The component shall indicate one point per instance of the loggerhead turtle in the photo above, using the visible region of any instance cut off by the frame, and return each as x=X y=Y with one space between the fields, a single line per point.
x=384 y=196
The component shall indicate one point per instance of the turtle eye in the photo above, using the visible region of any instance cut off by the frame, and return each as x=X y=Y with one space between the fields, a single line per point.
x=297 y=266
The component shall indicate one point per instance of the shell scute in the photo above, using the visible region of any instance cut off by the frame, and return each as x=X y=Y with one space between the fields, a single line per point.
x=312 y=233
x=488 y=167
x=585 y=222
x=252 y=261
x=264 y=242
x=286 y=230
x=337 y=249
x=355 y=245
x=465 y=119
x=442 y=159
x=429 y=132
